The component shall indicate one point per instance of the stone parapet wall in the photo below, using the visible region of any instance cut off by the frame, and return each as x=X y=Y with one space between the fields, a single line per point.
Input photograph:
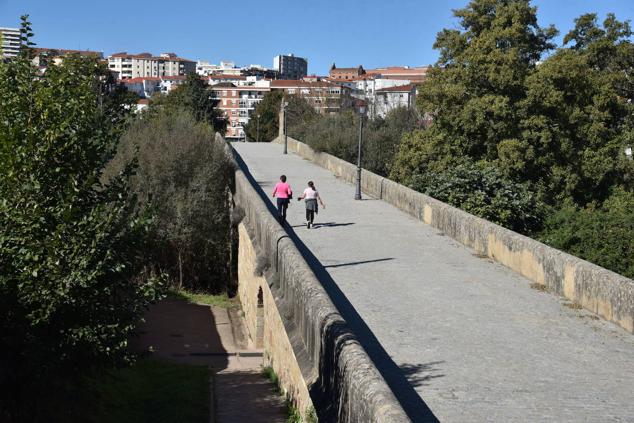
x=608 y=294
x=343 y=383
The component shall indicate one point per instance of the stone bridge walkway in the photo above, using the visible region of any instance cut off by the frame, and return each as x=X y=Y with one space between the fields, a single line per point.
x=469 y=337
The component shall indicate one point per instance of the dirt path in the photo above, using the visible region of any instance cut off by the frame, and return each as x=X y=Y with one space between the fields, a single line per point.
x=199 y=334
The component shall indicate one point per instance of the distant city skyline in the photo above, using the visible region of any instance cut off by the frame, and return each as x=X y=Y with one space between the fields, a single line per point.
x=371 y=33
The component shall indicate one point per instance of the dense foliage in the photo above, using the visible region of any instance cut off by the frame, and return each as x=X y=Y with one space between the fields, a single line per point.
x=603 y=235
x=338 y=135
x=182 y=179
x=70 y=245
x=482 y=190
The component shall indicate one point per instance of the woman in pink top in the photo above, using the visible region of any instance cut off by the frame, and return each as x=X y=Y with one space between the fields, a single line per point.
x=284 y=194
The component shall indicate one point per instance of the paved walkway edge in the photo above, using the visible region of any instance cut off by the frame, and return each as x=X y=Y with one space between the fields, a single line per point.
x=601 y=291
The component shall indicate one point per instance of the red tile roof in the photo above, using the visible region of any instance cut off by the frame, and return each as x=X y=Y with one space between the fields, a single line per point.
x=398 y=89
x=148 y=56
x=291 y=83
x=223 y=76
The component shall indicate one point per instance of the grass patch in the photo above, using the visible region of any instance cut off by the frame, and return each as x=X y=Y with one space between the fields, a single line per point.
x=574 y=306
x=152 y=391
x=217 y=300
x=292 y=412
x=270 y=374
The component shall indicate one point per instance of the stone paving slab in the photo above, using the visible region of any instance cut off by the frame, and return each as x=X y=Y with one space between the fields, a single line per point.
x=475 y=341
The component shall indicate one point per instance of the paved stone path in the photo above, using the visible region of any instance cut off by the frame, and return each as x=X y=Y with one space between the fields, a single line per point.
x=475 y=342
x=213 y=336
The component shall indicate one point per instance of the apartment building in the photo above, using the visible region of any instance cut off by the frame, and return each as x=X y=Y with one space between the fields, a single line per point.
x=290 y=66
x=146 y=65
x=388 y=99
x=237 y=103
x=9 y=42
x=325 y=97
x=146 y=87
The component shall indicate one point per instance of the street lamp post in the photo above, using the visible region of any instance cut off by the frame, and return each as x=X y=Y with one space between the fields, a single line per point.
x=357 y=194
x=257 y=138
x=284 y=106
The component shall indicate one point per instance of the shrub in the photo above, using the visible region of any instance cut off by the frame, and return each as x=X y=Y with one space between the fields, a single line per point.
x=481 y=189
x=603 y=235
x=182 y=180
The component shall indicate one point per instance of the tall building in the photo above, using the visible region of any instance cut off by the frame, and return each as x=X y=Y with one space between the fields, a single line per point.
x=290 y=66
x=144 y=64
x=10 y=42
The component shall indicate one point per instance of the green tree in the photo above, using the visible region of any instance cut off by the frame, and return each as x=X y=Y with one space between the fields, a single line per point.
x=475 y=87
x=194 y=96
x=69 y=245
x=266 y=115
x=578 y=117
x=299 y=114
x=182 y=180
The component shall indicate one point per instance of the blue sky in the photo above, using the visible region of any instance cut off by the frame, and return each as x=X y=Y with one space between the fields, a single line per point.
x=348 y=32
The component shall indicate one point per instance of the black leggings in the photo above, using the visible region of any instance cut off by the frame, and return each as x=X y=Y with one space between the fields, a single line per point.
x=282 y=205
x=310 y=215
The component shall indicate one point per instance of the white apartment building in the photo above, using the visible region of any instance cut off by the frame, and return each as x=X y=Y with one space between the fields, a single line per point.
x=9 y=42
x=204 y=68
x=388 y=99
x=145 y=65
x=146 y=87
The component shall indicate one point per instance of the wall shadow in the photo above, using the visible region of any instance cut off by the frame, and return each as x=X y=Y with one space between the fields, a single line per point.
x=335 y=337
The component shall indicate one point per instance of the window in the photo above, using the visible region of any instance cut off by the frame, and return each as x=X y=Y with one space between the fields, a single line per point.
x=224 y=93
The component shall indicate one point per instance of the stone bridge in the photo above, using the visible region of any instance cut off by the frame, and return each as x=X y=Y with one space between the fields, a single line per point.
x=401 y=308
